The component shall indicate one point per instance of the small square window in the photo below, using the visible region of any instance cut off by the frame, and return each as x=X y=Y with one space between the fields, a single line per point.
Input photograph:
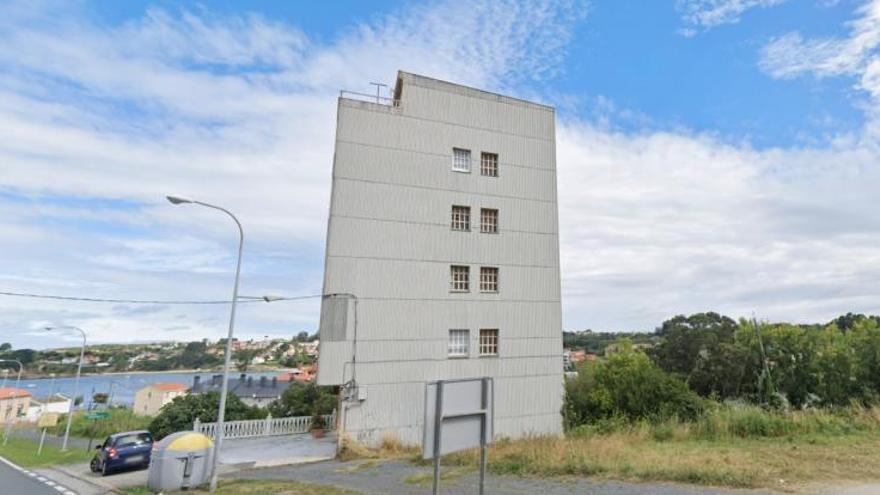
x=488 y=342
x=489 y=164
x=461 y=218
x=459 y=343
x=488 y=279
x=461 y=160
x=488 y=221
x=460 y=281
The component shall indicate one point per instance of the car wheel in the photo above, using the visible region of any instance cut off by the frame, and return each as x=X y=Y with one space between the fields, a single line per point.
x=94 y=465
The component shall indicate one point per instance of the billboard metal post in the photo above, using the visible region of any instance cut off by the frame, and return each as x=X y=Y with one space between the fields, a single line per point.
x=484 y=442
x=458 y=416
x=438 y=423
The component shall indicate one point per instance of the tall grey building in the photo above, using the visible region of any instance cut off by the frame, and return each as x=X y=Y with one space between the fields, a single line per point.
x=442 y=258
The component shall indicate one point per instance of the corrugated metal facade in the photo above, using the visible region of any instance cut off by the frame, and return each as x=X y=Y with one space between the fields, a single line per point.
x=390 y=244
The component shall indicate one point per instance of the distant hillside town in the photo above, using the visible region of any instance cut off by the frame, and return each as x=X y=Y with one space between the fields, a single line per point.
x=298 y=352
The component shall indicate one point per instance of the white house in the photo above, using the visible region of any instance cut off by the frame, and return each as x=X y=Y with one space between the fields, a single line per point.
x=442 y=257
x=56 y=403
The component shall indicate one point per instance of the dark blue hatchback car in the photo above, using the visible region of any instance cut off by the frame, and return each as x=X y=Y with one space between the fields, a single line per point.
x=122 y=451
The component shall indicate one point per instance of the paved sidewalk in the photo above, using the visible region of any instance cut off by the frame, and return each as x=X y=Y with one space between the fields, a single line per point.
x=398 y=477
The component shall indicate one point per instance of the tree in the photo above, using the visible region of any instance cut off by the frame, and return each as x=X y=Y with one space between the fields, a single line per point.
x=304 y=400
x=280 y=350
x=302 y=337
x=26 y=356
x=5 y=346
x=243 y=359
x=688 y=339
x=848 y=321
x=628 y=385
x=181 y=412
x=100 y=398
x=195 y=355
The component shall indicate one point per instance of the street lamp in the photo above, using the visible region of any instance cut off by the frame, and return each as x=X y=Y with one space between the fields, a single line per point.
x=218 y=432
x=82 y=354
x=17 y=386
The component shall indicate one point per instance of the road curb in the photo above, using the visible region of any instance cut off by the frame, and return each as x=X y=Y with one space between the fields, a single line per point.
x=63 y=490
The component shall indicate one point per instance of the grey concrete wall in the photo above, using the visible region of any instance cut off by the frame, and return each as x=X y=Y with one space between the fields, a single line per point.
x=389 y=242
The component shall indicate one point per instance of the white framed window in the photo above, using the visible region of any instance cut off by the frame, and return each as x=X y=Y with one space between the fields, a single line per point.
x=488 y=342
x=461 y=160
x=488 y=279
x=461 y=217
x=489 y=164
x=459 y=342
x=488 y=221
x=460 y=278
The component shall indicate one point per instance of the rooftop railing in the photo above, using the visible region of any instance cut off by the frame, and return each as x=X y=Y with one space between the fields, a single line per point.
x=378 y=99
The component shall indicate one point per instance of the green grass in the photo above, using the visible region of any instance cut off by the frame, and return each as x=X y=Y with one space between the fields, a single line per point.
x=24 y=453
x=259 y=487
x=673 y=453
x=121 y=419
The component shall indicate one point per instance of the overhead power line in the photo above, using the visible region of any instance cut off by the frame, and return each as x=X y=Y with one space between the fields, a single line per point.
x=242 y=299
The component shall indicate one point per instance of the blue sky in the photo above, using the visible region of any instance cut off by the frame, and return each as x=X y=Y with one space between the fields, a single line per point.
x=712 y=154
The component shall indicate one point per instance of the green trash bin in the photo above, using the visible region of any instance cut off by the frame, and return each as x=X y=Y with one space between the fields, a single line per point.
x=180 y=461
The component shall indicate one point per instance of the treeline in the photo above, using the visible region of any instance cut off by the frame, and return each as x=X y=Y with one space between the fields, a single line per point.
x=596 y=342
x=703 y=359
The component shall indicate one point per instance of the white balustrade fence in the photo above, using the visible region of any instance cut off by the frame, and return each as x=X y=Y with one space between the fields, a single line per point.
x=264 y=427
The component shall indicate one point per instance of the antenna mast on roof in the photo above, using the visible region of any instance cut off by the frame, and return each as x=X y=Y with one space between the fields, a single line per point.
x=379 y=87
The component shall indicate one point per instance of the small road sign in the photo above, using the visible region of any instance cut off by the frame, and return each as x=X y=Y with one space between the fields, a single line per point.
x=47 y=420
x=96 y=415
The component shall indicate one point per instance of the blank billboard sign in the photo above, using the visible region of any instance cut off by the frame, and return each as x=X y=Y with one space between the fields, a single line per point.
x=463 y=408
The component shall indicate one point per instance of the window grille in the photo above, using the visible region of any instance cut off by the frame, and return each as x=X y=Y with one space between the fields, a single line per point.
x=488 y=279
x=488 y=221
x=461 y=160
x=461 y=218
x=459 y=343
x=489 y=164
x=489 y=342
x=460 y=281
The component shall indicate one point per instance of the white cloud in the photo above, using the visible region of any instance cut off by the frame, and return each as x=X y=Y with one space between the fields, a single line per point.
x=791 y=55
x=664 y=223
x=706 y=14
x=856 y=55
x=237 y=110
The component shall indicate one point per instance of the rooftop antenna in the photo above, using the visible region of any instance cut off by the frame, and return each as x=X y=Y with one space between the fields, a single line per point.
x=379 y=87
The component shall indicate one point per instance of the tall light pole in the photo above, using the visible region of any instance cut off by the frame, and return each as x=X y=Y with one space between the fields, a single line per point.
x=82 y=353
x=218 y=431
x=17 y=386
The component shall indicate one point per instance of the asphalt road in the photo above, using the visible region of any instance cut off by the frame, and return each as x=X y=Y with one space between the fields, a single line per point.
x=15 y=482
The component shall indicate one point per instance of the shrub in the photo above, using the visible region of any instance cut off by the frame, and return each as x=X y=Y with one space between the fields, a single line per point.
x=120 y=419
x=304 y=400
x=180 y=414
x=628 y=386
